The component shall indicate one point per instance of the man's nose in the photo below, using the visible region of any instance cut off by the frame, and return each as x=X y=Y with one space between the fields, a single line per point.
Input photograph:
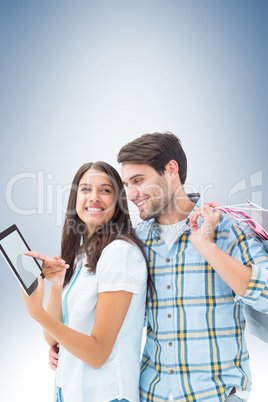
x=132 y=192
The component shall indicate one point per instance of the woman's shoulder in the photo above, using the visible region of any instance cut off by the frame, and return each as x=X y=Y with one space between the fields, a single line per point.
x=118 y=243
x=124 y=247
x=122 y=262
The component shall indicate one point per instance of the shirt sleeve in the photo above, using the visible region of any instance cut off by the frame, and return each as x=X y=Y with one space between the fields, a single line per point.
x=246 y=249
x=121 y=267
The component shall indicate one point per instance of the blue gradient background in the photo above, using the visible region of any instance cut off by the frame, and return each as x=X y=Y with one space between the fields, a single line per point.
x=79 y=80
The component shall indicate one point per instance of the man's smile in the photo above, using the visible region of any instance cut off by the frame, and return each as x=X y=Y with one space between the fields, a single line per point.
x=141 y=202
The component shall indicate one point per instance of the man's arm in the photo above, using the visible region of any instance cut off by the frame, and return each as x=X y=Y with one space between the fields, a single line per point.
x=53 y=356
x=233 y=272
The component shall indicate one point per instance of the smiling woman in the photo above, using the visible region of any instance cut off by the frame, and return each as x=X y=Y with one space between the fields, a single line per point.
x=95 y=203
x=96 y=304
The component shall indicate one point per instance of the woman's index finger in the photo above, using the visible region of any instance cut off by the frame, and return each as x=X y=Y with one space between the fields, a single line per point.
x=34 y=254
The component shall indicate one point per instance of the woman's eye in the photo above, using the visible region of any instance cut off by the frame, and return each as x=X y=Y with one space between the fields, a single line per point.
x=85 y=189
x=106 y=190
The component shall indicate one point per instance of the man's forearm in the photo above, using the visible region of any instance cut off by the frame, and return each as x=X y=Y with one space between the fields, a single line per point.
x=233 y=272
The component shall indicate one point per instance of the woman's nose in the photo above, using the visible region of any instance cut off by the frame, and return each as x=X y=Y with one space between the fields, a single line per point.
x=94 y=196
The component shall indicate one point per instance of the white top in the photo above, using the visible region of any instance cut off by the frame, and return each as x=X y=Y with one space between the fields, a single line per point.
x=121 y=267
x=170 y=233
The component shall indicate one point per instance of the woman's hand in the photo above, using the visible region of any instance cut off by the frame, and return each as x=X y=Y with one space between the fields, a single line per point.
x=201 y=237
x=53 y=268
x=34 y=302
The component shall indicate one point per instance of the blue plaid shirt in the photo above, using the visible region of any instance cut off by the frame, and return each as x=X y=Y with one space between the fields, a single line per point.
x=195 y=344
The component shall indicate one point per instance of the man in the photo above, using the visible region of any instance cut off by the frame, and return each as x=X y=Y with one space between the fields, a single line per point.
x=204 y=270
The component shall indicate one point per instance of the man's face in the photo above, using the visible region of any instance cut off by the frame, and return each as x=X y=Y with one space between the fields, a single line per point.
x=149 y=191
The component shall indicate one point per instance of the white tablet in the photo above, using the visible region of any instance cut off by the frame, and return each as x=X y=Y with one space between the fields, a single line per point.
x=25 y=268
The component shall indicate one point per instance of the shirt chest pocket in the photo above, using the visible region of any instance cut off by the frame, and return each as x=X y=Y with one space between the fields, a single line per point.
x=193 y=283
x=198 y=278
x=202 y=280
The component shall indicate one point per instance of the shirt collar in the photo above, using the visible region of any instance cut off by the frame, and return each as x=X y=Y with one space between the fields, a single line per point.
x=151 y=226
x=199 y=202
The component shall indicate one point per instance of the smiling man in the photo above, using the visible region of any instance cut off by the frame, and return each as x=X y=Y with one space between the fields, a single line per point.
x=155 y=194
x=204 y=270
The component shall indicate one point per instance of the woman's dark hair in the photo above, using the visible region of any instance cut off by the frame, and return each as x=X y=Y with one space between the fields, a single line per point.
x=119 y=227
x=155 y=150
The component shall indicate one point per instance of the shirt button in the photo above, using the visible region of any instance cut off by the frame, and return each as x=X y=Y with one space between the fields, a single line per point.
x=170 y=344
x=169 y=315
x=171 y=371
x=157 y=238
x=167 y=260
x=168 y=286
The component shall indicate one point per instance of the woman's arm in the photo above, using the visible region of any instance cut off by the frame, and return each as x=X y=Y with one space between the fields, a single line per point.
x=54 y=270
x=54 y=309
x=95 y=349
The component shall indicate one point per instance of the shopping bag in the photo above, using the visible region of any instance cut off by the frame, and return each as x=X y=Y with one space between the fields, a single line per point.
x=251 y=214
x=257 y=323
x=256 y=219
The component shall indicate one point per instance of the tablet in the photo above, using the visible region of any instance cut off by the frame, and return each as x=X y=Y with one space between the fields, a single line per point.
x=25 y=268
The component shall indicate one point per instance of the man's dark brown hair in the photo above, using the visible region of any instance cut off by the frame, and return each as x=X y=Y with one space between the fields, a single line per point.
x=155 y=150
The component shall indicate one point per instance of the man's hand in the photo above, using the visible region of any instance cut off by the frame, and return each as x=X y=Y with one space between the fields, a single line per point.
x=53 y=356
x=201 y=237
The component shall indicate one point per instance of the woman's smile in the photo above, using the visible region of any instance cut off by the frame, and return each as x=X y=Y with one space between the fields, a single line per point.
x=94 y=209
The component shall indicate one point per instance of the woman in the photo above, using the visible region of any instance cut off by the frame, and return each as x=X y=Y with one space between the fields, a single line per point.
x=96 y=304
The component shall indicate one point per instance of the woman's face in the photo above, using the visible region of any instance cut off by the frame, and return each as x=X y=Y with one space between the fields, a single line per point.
x=95 y=202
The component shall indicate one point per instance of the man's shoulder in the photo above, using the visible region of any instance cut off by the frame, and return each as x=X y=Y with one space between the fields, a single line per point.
x=234 y=232
x=143 y=228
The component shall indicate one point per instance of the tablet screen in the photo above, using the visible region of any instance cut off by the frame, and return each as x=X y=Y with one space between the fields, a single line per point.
x=26 y=267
